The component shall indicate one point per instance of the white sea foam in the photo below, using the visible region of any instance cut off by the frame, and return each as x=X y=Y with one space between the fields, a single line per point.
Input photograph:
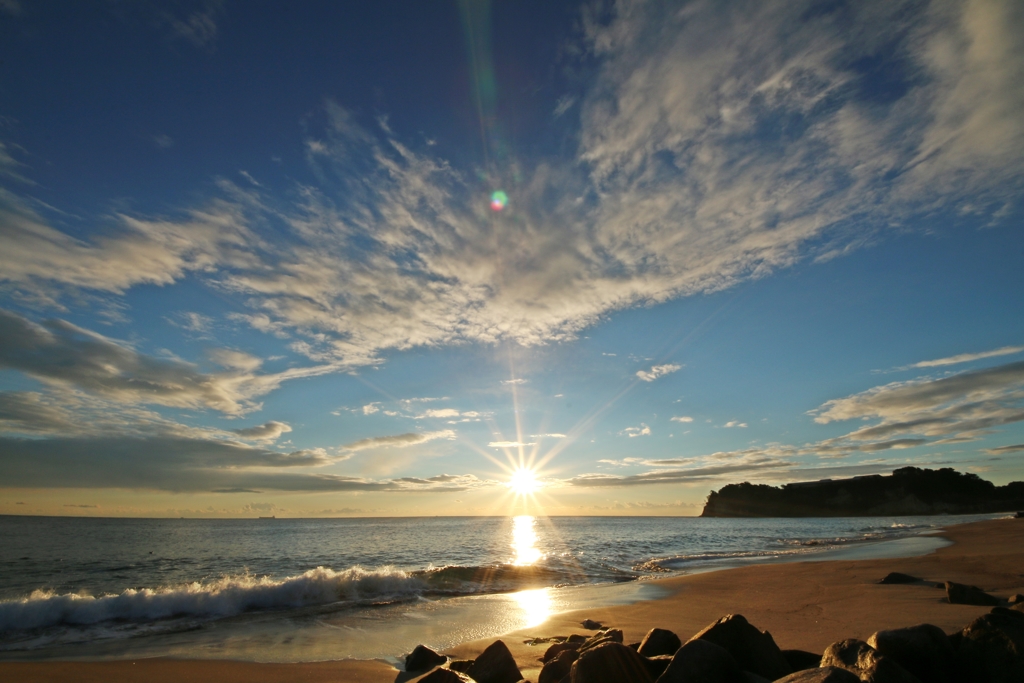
x=227 y=596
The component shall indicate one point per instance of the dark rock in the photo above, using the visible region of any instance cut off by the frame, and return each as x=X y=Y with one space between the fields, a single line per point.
x=577 y=638
x=555 y=649
x=799 y=660
x=826 y=674
x=633 y=646
x=992 y=648
x=1018 y=606
x=423 y=658
x=704 y=661
x=445 y=676
x=591 y=624
x=749 y=677
x=897 y=577
x=495 y=665
x=612 y=635
x=1015 y=599
x=859 y=658
x=559 y=667
x=754 y=650
x=659 y=641
x=923 y=650
x=610 y=663
x=1019 y=515
x=460 y=665
x=656 y=665
x=962 y=594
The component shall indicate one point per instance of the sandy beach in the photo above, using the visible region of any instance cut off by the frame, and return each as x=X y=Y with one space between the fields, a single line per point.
x=805 y=605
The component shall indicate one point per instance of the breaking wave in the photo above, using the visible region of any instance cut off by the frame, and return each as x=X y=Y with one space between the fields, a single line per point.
x=224 y=597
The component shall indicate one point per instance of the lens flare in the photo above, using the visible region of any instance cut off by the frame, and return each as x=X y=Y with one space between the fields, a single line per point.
x=498 y=200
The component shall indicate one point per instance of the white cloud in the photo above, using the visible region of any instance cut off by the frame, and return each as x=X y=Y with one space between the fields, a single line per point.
x=513 y=381
x=509 y=444
x=269 y=431
x=439 y=413
x=681 y=418
x=61 y=354
x=658 y=371
x=735 y=423
x=399 y=440
x=371 y=408
x=548 y=436
x=642 y=430
x=952 y=409
x=718 y=143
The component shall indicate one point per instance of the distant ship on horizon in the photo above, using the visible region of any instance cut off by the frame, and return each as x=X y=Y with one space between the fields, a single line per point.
x=270 y=517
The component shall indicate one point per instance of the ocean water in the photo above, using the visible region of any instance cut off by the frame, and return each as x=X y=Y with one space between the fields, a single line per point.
x=287 y=589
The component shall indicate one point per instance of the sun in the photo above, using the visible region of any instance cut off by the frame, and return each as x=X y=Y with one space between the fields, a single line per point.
x=523 y=481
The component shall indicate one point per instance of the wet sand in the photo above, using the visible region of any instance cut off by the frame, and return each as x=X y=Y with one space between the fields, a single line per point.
x=805 y=605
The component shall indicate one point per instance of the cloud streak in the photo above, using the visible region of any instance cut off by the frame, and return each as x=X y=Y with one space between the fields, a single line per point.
x=399 y=440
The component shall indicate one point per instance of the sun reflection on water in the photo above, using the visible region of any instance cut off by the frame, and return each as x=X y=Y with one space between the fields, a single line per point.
x=536 y=606
x=524 y=541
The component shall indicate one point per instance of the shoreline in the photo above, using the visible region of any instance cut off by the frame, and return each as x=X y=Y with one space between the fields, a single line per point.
x=805 y=604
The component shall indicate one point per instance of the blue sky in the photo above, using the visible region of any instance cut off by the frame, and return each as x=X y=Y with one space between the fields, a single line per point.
x=249 y=262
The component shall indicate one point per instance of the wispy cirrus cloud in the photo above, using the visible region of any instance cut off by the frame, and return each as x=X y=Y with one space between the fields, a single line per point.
x=718 y=143
x=398 y=440
x=964 y=358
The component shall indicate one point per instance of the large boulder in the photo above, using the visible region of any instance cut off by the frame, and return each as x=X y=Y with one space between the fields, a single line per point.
x=659 y=641
x=558 y=648
x=923 y=650
x=859 y=658
x=753 y=649
x=558 y=667
x=423 y=658
x=826 y=674
x=991 y=648
x=495 y=665
x=897 y=577
x=609 y=663
x=799 y=660
x=445 y=676
x=962 y=594
x=591 y=625
x=703 y=661
x=612 y=635
x=656 y=665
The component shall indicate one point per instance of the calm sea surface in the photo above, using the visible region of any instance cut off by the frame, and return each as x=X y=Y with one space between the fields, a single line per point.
x=89 y=581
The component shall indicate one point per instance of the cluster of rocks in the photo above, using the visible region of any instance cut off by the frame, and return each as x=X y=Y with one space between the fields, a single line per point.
x=988 y=650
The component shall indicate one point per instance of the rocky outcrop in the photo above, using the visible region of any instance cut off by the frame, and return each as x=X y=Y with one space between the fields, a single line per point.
x=825 y=674
x=868 y=664
x=753 y=650
x=702 y=660
x=908 y=491
x=610 y=662
x=962 y=594
x=659 y=641
x=731 y=650
x=923 y=650
x=495 y=665
x=423 y=658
